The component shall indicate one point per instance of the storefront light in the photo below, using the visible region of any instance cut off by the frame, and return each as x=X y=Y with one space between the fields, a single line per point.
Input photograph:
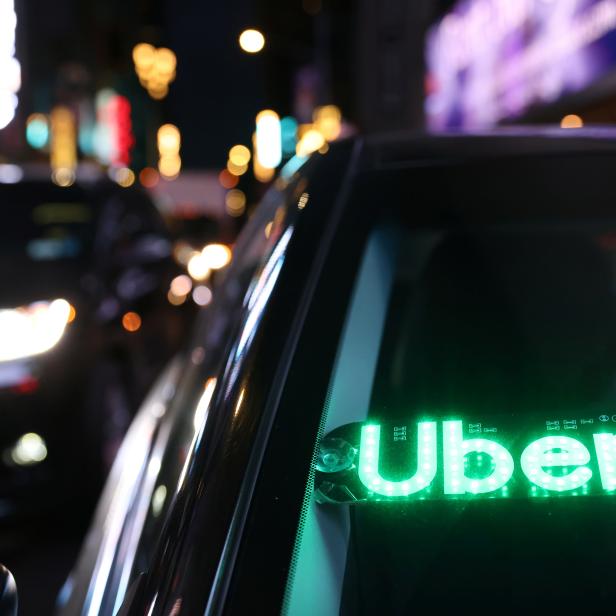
x=10 y=72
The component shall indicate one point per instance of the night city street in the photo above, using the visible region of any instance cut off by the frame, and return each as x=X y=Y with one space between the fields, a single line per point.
x=309 y=308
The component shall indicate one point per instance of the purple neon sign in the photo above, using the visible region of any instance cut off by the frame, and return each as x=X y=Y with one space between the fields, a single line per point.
x=490 y=60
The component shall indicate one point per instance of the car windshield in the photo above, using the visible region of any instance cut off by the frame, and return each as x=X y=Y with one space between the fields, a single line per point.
x=467 y=457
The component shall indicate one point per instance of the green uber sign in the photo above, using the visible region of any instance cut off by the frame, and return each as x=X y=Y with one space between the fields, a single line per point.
x=438 y=460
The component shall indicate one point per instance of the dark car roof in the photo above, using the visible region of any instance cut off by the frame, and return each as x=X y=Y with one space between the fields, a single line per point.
x=500 y=141
x=396 y=148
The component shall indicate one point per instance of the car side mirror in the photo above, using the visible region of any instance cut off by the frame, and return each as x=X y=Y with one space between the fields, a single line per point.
x=8 y=593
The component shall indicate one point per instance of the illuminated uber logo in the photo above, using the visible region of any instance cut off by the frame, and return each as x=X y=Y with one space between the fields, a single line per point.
x=367 y=462
x=551 y=452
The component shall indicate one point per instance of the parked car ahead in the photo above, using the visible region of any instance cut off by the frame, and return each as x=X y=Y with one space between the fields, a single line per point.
x=83 y=324
x=401 y=398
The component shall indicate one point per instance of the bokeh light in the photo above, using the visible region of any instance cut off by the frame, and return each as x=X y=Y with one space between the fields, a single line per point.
x=181 y=285
x=268 y=141
x=169 y=166
x=227 y=180
x=311 y=141
x=198 y=267
x=131 y=321
x=216 y=255
x=327 y=120
x=168 y=141
x=572 y=121
x=251 y=41
x=143 y=56
x=125 y=177
x=30 y=449
x=235 y=202
x=63 y=151
x=37 y=130
x=182 y=251
x=288 y=130
x=155 y=68
x=63 y=177
x=202 y=295
x=149 y=177
x=239 y=155
x=175 y=300
x=236 y=169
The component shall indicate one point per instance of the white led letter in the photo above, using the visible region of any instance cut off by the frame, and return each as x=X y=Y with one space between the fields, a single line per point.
x=552 y=451
x=455 y=449
x=369 y=450
x=605 y=446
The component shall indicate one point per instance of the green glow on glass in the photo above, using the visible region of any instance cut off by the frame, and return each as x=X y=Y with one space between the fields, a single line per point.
x=455 y=448
x=369 y=453
x=552 y=452
x=605 y=446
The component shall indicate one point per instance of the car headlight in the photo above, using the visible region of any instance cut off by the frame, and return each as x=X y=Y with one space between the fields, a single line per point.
x=33 y=329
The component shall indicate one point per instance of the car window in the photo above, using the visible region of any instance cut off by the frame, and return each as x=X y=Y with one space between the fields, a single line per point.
x=467 y=447
x=207 y=352
x=226 y=400
x=179 y=408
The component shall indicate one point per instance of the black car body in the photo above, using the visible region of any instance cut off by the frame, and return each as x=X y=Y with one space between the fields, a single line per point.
x=397 y=279
x=98 y=251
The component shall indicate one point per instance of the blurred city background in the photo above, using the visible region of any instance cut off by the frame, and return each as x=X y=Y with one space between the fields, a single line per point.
x=137 y=137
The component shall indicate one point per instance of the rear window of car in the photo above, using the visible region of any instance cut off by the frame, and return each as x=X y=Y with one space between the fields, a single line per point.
x=467 y=452
x=47 y=223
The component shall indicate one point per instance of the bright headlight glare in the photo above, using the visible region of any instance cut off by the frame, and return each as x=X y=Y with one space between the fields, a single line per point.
x=33 y=329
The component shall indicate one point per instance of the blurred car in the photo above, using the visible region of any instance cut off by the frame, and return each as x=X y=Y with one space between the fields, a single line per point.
x=84 y=328
x=400 y=399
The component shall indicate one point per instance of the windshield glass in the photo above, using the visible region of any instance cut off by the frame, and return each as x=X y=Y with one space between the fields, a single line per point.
x=467 y=458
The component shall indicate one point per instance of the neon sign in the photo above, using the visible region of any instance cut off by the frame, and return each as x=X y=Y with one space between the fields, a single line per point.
x=384 y=461
x=490 y=60
x=113 y=136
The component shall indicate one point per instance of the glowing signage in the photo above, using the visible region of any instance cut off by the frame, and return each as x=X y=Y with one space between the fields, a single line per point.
x=113 y=136
x=123 y=140
x=453 y=458
x=490 y=60
x=63 y=151
x=10 y=70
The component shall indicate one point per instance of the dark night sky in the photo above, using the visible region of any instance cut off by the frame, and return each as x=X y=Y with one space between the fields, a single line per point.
x=219 y=89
